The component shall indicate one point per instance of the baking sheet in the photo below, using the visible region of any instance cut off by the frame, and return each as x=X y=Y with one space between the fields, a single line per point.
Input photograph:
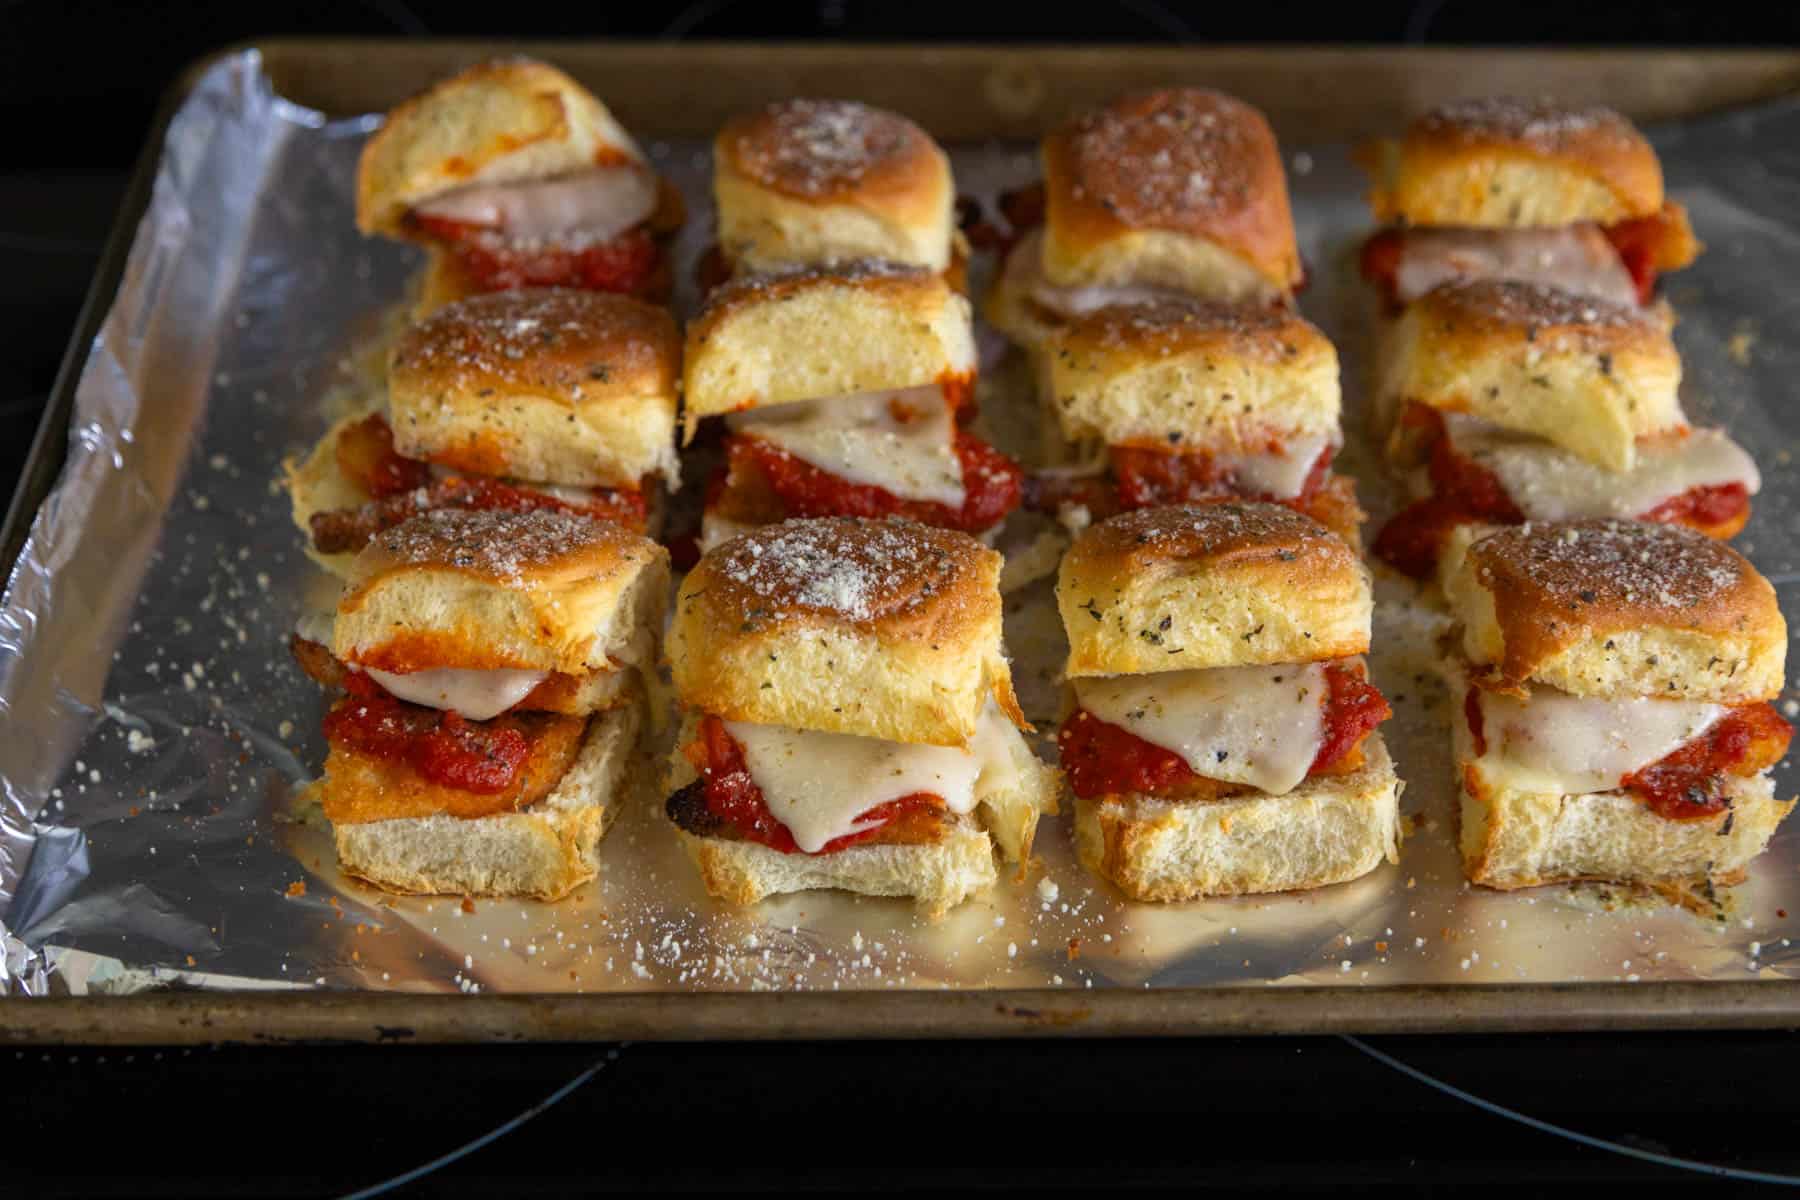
x=155 y=731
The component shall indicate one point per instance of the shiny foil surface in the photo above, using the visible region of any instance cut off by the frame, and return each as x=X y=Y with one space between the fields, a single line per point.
x=155 y=736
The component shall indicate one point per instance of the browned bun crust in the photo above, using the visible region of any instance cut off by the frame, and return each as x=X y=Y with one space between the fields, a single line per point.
x=828 y=151
x=1504 y=161
x=1215 y=585
x=1267 y=334
x=1177 y=160
x=895 y=282
x=548 y=384
x=1612 y=608
x=1590 y=376
x=501 y=121
x=484 y=590
x=882 y=628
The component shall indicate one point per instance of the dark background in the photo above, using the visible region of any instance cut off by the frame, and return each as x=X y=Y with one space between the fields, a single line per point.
x=79 y=83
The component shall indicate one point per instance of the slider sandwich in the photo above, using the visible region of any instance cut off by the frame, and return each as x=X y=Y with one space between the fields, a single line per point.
x=1187 y=402
x=1612 y=681
x=491 y=665
x=512 y=175
x=544 y=398
x=1223 y=738
x=1169 y=193
x=843 y=389
x=850 y=719
x=1511 y=402
x=808 y=183
x=1503 y=188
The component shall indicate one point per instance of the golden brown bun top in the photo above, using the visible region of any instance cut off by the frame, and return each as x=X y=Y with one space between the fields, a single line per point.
x=1556 y=586
x=910 y=579
x=500 y=121
x=895 y=283
x=1593 y=143
x=1502 y=313
x=533 y=549
x=828 y=151
x=1214 y=585
x=1179 y=160
x=1269 y=334
x=557 y=341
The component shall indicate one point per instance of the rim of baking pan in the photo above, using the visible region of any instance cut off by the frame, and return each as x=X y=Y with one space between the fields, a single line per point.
x=257 y=1017
x=262 y=1018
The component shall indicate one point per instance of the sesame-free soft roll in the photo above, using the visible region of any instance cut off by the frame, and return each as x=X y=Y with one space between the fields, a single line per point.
x=1531 y=190
x=842 y=387
x=849 y=719
x=510 y=174
x=1158 y=194
x=491 y=669
x=1612 y=682
x=1223 y=734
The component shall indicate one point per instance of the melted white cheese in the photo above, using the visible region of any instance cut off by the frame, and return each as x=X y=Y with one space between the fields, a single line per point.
x=1550 y=484
x=1024 y=268
x=476 y=695
x=902 y=441
x=592 y=206
x=1570 y=744
x=819 y=785
x=1260 y=726
x=1281 y=475
x=1575 y=258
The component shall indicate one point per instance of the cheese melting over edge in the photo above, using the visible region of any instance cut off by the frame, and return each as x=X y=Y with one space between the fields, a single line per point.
x=819 y=785
x=860 y=438
x=1572 y=745
x=587 y=207
x=1261 y=726
x=475 y=695
x=1575 y=258
x=1283 y=474
x=1550 y=484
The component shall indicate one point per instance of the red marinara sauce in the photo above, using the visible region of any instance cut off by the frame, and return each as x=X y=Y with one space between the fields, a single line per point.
x=1689 y=784
x=733 y=797
x=1462 y=491
x=1702 y=507
x=1380 y=263
x=1102 y=759
x=441 y=746
x=1149 y=477
x=1639 y=243
x=992 y=486
x=366 y=456
x=496 y=263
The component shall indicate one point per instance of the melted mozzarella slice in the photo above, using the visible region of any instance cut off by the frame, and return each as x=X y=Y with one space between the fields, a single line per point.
x=1550 y=484
x=1281 y=475
x=819 y=785
x=1024 y=268
x=902 y=441
x=1260 y=726
x=592 y=206
x=1571 y=744
x=476 y=695
x=1575 y=258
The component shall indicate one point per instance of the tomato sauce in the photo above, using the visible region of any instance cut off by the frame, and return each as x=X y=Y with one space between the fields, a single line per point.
x=483 y=757
x=1639 y=243
x=366 y=456
x=1702 y=507
x=1102 y=759
x=1380 y=263
x=1149 y=477
x=627 y=263
x=992 y=486
x=733 y=797
x=1689 y=784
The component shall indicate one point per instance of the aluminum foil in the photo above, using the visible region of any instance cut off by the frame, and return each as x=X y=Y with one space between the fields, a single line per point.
x=154 y=733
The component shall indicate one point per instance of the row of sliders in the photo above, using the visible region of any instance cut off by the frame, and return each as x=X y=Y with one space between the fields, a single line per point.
x=1526 y=370
x=1611 y=663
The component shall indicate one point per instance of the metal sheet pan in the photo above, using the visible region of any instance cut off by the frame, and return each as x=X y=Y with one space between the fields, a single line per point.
x=221 y=336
